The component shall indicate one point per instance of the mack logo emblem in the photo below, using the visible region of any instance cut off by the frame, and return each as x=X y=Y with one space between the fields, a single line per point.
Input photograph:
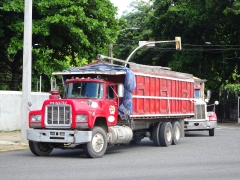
x=57 y=103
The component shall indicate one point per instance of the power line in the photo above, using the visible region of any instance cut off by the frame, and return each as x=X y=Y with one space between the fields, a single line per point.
x=210 y=45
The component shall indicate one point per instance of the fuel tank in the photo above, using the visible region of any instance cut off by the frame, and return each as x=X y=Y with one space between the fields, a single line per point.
x=119 y=135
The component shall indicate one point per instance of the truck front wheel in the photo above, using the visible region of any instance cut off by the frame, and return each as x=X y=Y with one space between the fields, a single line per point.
x=96 y=148
x=211 y=132
x=40 y=148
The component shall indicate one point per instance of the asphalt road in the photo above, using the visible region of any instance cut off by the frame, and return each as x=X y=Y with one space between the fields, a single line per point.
x=198 y=156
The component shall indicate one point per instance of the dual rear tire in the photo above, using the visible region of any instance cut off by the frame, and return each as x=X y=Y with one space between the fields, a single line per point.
x=166 y=134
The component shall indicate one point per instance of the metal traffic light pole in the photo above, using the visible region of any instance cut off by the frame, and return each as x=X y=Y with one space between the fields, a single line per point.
x=177 y=41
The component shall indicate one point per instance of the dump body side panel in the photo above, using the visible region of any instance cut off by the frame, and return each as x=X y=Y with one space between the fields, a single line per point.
x=162 y=96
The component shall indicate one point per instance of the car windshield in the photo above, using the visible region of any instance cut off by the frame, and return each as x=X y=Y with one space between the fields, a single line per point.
x=83 y=90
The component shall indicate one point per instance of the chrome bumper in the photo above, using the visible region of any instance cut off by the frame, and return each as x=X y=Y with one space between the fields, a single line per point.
x=59 y=136
x=199 y=125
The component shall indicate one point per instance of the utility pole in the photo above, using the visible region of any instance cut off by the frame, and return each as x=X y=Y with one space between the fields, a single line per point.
x=110 y=52
x=27 y=67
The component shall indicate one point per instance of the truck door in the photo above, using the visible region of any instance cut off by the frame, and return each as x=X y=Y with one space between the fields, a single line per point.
x=111 y=105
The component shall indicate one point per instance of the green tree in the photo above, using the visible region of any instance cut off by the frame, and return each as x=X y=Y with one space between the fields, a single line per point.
x=62 y=30
x=198 y=22
x=235 y=8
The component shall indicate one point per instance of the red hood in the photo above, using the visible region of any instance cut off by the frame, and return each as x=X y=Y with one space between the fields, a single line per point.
x=78 y=104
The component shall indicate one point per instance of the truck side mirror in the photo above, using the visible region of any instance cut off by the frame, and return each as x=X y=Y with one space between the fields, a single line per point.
x=120 y=90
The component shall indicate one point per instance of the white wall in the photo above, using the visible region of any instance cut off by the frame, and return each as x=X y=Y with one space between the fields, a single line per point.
x=10 y=108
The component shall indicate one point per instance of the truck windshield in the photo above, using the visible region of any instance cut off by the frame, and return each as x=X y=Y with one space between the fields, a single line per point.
x=83 y=90
x=197 y=93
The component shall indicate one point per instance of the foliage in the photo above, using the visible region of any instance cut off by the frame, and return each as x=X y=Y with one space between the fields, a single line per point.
x=235 y=8
x=230 y=93
x=133 y=29
x=64 y=33
x=198 y=22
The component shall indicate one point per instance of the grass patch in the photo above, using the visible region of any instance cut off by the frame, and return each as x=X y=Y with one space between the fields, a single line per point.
x=14 y=131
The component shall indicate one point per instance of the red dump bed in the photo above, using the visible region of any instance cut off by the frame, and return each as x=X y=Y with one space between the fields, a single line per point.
x=162 y=94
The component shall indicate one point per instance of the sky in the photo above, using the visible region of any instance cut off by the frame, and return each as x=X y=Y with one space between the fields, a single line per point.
x=122 y=5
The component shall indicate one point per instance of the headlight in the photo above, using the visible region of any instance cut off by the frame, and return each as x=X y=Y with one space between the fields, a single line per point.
x=81 y=118
x=36 y=118
x=209 y=113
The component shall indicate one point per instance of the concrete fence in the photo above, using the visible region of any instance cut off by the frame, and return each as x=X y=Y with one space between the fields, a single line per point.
x=11 y=108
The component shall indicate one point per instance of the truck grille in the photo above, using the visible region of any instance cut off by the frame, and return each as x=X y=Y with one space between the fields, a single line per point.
x=58 y=116
x=200 y=112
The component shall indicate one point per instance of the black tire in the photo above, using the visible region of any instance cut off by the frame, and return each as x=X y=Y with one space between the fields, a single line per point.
x=40 y=148
x=96 y=148
x=165 y=134
x=176 y=132
x=155 y=134
x=211 y=132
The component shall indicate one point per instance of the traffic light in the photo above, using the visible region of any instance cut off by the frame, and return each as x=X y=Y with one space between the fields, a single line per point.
x=178 y=43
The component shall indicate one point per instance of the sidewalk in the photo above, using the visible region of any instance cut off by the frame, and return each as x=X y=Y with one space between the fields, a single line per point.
x=11 y=141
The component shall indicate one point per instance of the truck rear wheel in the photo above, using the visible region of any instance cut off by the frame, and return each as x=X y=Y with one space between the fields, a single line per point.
x=40 y=148
x=211 y=132
x=165 y=134
x=155 y=133
x=176 y=133
x=96 y=148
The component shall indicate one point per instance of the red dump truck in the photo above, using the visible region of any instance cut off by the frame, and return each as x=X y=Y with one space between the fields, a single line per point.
x=105 y=104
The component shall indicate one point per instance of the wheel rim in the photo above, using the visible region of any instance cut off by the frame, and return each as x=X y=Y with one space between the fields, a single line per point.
x=177 y=133
x=97 y=142
x=169 y=134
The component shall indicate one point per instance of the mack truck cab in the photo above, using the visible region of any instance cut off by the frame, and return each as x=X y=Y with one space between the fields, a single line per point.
x=93 y=96
x=205 y=118
x=68 y=120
